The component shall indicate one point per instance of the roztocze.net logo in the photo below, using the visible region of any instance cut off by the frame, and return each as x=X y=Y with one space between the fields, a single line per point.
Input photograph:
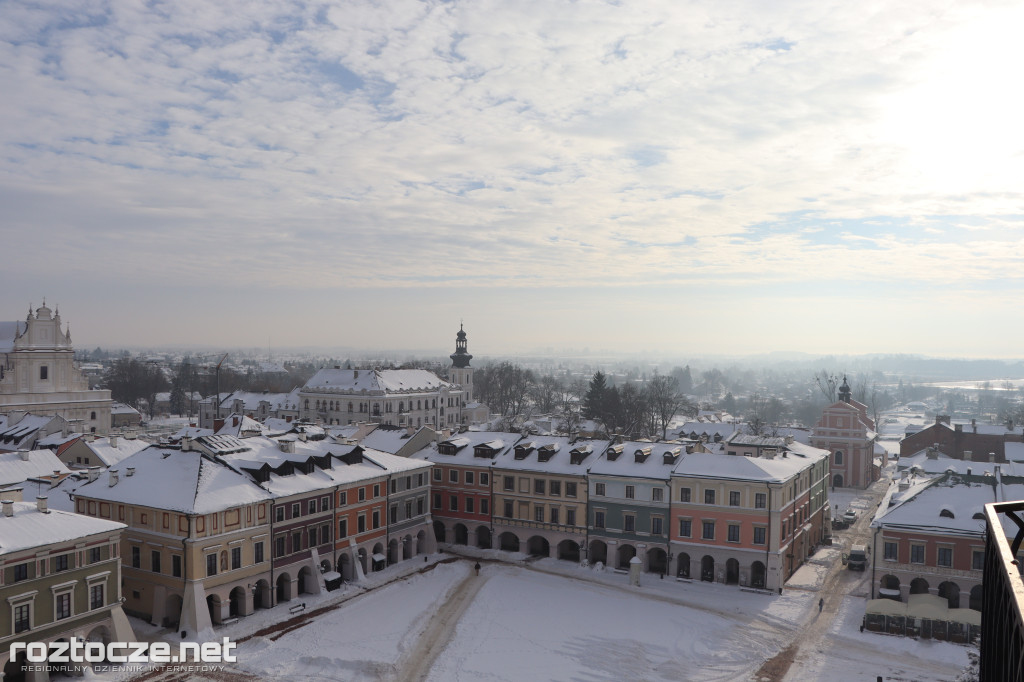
x=82 y=651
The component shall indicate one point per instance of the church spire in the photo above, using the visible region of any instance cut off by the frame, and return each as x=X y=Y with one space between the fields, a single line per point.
x=461 y=357
x=844 y=391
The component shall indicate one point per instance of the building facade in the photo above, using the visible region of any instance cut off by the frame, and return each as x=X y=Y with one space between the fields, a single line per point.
x=846 y=431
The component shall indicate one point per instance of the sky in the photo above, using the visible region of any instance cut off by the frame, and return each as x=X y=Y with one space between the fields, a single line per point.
x=672 y=177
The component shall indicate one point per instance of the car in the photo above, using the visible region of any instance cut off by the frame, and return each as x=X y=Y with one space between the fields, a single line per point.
x=849 y=516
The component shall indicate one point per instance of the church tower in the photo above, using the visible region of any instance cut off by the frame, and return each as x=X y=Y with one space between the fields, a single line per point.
x=461 y=373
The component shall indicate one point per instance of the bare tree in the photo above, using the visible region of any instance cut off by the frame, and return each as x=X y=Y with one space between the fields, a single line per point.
x=545 y=394
x=666 y=401
x=571 y=404
x=828 y=384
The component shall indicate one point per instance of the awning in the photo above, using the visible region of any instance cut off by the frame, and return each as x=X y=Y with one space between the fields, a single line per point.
x=379 y=557
x=332 y=575
x=888 y=592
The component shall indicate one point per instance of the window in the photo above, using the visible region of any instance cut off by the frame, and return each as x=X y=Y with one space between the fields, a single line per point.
x=453 y=475
x=96 y=597
x=211 y=564
x=296 y=510
x=136 y=557
x=408 y=509
x=258 y=552
x=311 y=507
x=437 y=474
x=393 y=511
x=325 y=503
x=760 y=500
x=176 y=563
x=759 y=536
x=539 y=486
x=470 y=505
x=63 y=606
x=890 y=551
x=279 y=546
x=94 y=555
x=554 y=515
x=343 y=528
x=684 y=494
x=154 y=561
x=656 y=494
x=733 y=531
x=917 y=554
x=453 y=503
x=978 y=560
x=312 y=537
x=296 y=541
x=508 y=483
x=44 y=372
x=538 y=513
x=376 y=518
x=570 y=489
x=945 y=557
x=709 y=530
x=599 y=489
x=685 y=528
x=437 y=500
x=361 y=494
x=469 y=478
x=628 y=523
x=630 y=492
x=236 y=558
x=342 y=498
x=20 y=572
x=279 y=514
x=60 y=563
x=555 y=488
x=484 y=478
x=656 y=525
x=734 y=498
x=22 y=618
x=570 y=517
x=598 y=519
x=508 y=509
x=837 y=458
x=709 y=497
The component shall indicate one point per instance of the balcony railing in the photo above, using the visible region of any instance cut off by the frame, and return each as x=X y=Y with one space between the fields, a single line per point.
x=1002 y=610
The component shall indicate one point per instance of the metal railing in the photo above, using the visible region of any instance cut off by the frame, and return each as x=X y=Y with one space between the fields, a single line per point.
x=1002 y=610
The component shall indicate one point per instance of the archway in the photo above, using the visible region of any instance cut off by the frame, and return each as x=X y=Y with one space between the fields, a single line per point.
x=439 y=531
x=421 y=540
x=99 y=635
x=598 y=552
x=461 y=534
x=261 y=597
x=407 y=550
x=172 y=610
x=237 y=605
x=918 y=586
x=623 y=555
x=379 y=560
x=707 y=569
x=508 y=542
x=683 y=565
x=306 y=581
x=757 y=575
x=15 y=668
x=657 y=561
x=568 y=550
x=837 y=481
x=483 y=537
x=393 y=551
x=890 y=588
x=213 y=603
x=732 y=572
x=538 y=546
x=284 y=588
x=950 y=591
x=976 y=598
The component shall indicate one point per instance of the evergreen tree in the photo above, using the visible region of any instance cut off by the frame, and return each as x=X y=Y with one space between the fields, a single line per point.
x=594 y=401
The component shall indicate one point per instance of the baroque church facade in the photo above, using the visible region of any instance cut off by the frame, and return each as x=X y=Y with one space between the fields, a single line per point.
x=38 y=373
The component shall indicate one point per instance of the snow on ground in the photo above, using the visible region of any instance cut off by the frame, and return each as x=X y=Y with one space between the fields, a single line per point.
x=810 y=576
x=360 y=641
x=847 y=654
x=563 y=629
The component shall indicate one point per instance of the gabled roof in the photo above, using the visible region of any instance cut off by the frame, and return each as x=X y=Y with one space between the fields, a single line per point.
x=14 y=469
x=29 y=528
x=378 y=380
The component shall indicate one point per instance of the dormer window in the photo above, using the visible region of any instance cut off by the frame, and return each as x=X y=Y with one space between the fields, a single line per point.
x=947 y=513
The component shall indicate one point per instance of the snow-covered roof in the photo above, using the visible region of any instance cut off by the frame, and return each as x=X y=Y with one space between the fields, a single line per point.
x=178 y=480
x=240 y=425
x=738 y=467
x=638 y=459
x=251 y=399
x=697 y=429
x=110 y=455
x=949 y=505
x=56 y=439
x=374 y=381
x=551 y=454
x=386 y=439
x=121 y=408
x=14 y=469
x=464 y=446
x=920 y=461
x=29 y=527
x=13 y=434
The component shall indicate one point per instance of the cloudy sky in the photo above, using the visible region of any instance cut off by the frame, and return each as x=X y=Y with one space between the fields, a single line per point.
x=721 y=177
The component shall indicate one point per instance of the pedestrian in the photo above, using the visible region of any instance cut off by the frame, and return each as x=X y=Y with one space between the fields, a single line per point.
x=821 y=604
x=477 y=567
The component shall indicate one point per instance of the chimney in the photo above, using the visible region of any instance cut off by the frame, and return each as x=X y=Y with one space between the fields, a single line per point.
x=23 y=454
x=991 y=456
x=130 y=471
x=974 y=425
x=958 y=428
x=56 y=473
x=234 y=421
x=789 y=439
x=968 y=455
x=93 y=473
x=186 y=443
x=287 y=446
x=112 y=481
x=933 y=453
x=8 y=507
x=113 y=440
x=41 y=504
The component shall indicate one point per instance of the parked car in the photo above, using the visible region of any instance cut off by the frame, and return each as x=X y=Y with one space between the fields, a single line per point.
x=849 y=516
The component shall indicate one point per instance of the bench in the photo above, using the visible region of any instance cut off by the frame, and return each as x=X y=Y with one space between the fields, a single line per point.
x=229 y=621
x=298 y=608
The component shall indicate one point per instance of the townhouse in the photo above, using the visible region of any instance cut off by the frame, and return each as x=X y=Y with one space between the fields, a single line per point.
x=539 y=493
x=629 y=491
x=60 y=577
